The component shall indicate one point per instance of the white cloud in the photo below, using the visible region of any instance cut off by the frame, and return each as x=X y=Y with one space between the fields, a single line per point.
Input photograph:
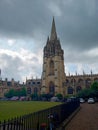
x=92 y=52
x=11 y=42
x=20 y=64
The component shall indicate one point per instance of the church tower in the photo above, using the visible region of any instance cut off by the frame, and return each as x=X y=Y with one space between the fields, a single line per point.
x=53 y=75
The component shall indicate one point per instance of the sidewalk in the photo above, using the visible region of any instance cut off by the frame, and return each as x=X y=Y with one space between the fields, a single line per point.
x=85 y=119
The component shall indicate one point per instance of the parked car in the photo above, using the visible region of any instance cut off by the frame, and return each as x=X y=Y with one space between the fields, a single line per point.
x=91 y=100
x=14 y=98
x=23 y=98
x=54 y=99
x=71 y=99
x=82 y=100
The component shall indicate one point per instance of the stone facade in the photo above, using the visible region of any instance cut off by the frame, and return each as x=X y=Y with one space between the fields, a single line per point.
x=76 y=83
x=53 y=75
x=6 y=85
x=33 y=86
x=54 y=79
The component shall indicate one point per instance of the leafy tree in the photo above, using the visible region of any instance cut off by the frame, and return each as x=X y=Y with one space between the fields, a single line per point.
x=10 y=93
x=13 y=92
x=94 y=86
x=85 y=93
x=46 y=96
x=59 y=95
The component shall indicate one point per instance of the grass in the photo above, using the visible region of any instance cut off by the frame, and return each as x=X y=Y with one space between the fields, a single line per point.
x=11 y=109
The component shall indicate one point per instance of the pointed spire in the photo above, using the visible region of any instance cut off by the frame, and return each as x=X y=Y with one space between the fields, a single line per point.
x=53 y=31
x=47 y=39
x=91 y=72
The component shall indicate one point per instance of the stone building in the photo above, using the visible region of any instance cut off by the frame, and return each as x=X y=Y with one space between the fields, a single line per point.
x=76 y=83
x=53 y=75
x=54 y=79
x=6 y=85
x=33 y=86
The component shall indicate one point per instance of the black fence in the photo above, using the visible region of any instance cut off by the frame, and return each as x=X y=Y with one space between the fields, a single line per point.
x=42 y=120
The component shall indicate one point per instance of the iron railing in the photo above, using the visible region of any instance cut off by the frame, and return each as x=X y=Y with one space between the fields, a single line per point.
x=41 y=120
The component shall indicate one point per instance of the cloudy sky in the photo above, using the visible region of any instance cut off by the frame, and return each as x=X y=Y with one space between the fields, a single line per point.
x=25 y=25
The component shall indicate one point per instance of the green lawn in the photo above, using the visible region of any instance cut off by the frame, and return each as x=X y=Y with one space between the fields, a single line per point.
x=11 y=109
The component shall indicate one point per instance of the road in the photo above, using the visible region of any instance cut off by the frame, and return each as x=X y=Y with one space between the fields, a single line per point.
x=85 y=119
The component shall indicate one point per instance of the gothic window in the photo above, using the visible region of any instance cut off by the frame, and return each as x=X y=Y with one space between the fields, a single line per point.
x=88 y=83
x=38 y=82
x=9 y=84
x=35 y=90
x=80 y=81
x=67 y=81
x=78 y=89
x=70 y=90
x=51 y=88
x=28 y=90
x=51 y=65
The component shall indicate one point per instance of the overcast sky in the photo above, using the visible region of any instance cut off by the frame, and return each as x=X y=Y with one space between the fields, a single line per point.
x=26 y=24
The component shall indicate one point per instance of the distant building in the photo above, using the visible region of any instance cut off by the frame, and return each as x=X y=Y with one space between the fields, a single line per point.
x=6 y=85
x=33 y=86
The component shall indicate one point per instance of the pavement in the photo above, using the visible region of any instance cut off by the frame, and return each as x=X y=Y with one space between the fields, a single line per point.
x=85 y=119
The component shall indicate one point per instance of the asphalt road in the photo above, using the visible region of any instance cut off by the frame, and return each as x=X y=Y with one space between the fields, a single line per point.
x=85 y=119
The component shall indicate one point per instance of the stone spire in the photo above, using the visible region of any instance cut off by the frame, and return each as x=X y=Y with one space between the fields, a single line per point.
x=48 y=40
x=53 y=31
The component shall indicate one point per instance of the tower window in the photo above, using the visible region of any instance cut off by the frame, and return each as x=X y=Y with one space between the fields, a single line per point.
x=51 y=65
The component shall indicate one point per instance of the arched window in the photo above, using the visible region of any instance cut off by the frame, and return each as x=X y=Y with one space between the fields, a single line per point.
x=29 y=90
x=70 y=90
x=51 y=65
x=78 y=88
x=88 y=83
x=80 y=81
x=51 y=88
x=35 y=90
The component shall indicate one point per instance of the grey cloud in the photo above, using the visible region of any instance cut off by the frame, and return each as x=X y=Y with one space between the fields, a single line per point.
x=76 y=26
x=79 y=25
x=10 y=68
x=76 y=23
x=15 y=67
x=22 y=17
x=73 y=57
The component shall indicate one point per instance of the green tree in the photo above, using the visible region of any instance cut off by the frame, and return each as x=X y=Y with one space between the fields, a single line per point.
x=59 y=95
x=94 y=86
x=85 y=93
x=12 y=92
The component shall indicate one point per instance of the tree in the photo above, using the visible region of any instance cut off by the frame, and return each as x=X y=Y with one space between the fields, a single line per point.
x=10 y=93
x=85 y=93
x=59 y=95
x=13 y=92
x=94 y=86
